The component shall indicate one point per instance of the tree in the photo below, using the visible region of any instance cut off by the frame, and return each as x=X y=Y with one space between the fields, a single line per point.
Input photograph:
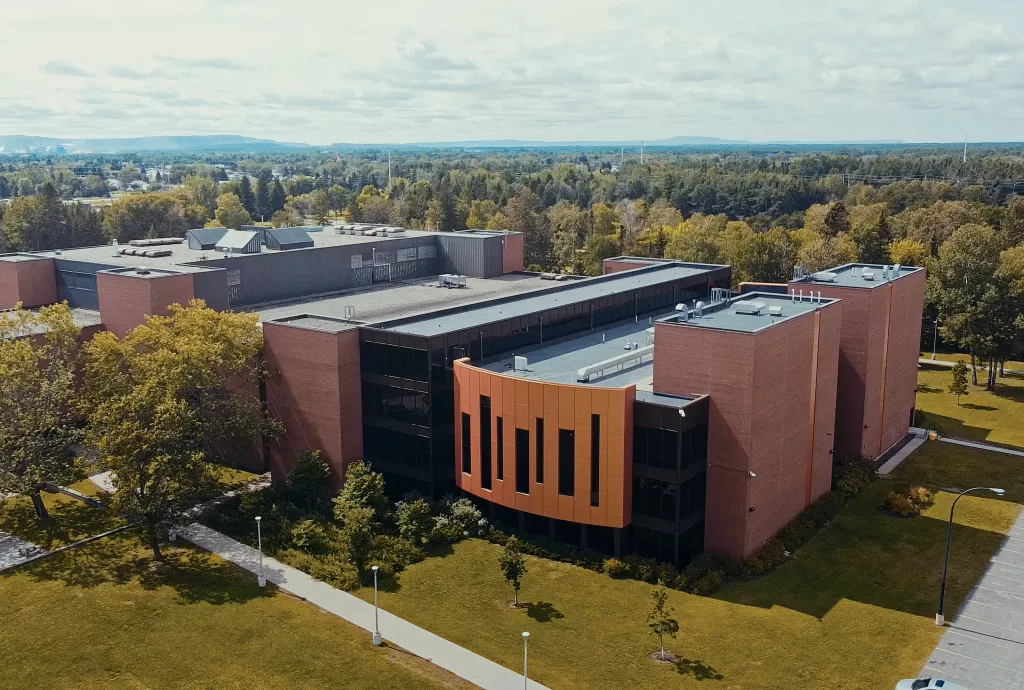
x=173 y=394
x=631 y=216
x=363 y=488
x=200 y=191
x=959 y=385
x=696 y=239
x=357 y=530
x=907 y=252
x=32 y=223
x=377 y=209
x=310 y=478
x=837 y=219
x=231 y=213
x=144 y=215
x=319 y=206
x=603 y=219
x=869 y=229
x=38 y=435
x=127 y=175
x=414 y=520
x=513 y=566
x=819 y=253
x=286 y=218
x=659 y=618
x=277 y=197
x=522 y=217
x=568 y=229
x=262 y=201
x=596 y=249
x=933 y=225
x=1012 y=225
x=246 y=196
x=480 y=213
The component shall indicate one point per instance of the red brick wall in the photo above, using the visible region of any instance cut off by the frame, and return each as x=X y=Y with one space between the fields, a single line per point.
x=313 y=387
x=126 y=299
x=879 y=349
x=512 y=253
x=771 y=408
x=613 y=266
x=32 y=282
x=520 y=402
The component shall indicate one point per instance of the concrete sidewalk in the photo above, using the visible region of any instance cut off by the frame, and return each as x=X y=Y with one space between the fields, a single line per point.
x=901 y=455
x=967 y=361
x=14 y=551
x=462 y=662
x=983 y=446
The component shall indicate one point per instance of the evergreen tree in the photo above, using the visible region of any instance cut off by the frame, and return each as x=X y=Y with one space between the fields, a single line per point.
x=263 y=196
x=5 y=188
x=277 y=197
x=246 y=196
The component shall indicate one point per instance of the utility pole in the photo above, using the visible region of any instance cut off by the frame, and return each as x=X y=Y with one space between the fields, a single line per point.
x=641 y=152
x=965 y=149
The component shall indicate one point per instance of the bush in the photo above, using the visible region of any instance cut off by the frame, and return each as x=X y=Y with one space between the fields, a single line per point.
x=392 y=554
x=771 y=555
x=465 y=515
x=332 y=569
x=613 y=567
x=310 y=479
x=850 y=475
x=908 y=501
x=414 y=520
x=311 y=536
x=708 y=584
x=445 y=531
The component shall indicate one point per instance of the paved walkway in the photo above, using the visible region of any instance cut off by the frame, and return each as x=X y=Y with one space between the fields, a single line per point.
x=983 y=648
x=967 y=360
x=104 y=480
x=14 y=551
x=901 y=455
x=462 y=662
x=983 y=446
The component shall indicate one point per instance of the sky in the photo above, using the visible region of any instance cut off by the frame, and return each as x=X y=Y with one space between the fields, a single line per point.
x=379 y=71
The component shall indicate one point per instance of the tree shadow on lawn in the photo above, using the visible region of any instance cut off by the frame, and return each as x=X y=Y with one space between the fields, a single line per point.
x=982 y=408
x=697 y=669
x=871 y=558
x=952 y=427
x=195 y=575
x=925 y=388
x=70 y=521
x=542 y=611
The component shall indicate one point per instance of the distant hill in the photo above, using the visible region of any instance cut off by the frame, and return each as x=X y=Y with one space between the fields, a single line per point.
x=530 y=144
x=216 y=142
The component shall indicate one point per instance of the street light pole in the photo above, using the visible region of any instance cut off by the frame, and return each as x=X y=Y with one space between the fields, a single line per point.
x=939 y=618
x=260 y=578
x=526 y=648
x=376 y=623
x=935 y=338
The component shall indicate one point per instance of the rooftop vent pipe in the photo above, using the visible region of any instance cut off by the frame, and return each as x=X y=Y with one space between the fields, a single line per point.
x=636 y=354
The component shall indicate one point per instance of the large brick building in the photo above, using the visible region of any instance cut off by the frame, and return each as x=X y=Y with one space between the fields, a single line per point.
x=647 y=410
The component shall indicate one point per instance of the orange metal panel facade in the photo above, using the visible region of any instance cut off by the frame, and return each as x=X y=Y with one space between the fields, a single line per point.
x=520 y=403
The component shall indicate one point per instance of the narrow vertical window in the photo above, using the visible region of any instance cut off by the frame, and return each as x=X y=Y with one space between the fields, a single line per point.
x=467 y=448
x=540 y=450
x=501 y=449
x=595 y=458
x=485 y=442
x=566 y=462
x=523 y=461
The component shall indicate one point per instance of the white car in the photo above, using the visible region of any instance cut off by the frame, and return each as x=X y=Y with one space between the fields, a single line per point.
x=927 y=684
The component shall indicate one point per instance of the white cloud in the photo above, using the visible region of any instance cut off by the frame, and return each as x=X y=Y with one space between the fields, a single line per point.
x=405 y=70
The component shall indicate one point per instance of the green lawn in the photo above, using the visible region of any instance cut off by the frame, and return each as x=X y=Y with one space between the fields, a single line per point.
x=855 y=607
x=993 y=417
x=955 y=356
x=104 y=616
x=71 y=519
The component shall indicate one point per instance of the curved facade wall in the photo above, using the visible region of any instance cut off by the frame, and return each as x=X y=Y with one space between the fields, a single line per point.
x=569 y=415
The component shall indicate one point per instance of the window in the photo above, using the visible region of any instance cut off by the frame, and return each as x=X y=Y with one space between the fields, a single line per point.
x=523 y=461
x=501 y=450
x=485 y=442
x=595 y=458
x=655 y=498
x=540 y=450
x=566 y=462
x=467 y=449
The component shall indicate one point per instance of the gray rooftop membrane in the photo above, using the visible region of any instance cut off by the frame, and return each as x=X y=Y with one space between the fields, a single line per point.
x=845 y=276
x=578 y=292
x=723 y=315
x=560 y=361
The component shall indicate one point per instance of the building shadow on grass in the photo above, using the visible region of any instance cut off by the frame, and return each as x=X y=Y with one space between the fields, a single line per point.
x=870 y=558
x=697 y=670
x=543 y=611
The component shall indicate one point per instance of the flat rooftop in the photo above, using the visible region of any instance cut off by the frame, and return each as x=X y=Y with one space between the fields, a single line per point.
x=577 y=291
x=387 y=301
x=853 y=275
x=182 y=254
x=561 y=361
x=82 y=318
x=726 y=315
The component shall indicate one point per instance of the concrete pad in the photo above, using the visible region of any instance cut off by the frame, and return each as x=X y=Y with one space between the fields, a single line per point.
x=104 y=480
x=14 y=551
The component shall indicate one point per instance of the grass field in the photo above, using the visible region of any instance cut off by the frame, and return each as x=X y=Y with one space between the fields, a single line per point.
x=854 y=608
x=993 y=417
x=953 y=357
x=71 y=519
x=104 y=616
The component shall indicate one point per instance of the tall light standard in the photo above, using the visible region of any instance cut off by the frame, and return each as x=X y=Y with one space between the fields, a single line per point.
x=526 y=649
x=260 y=578
x=935 y=337
x=376 y=623
x=939 y=619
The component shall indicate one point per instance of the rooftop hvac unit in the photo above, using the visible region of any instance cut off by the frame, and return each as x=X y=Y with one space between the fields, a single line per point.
x=896 y=269
x=867 y=274
x=698 y=310
x=749 y=307
x=825 y=277
x=561 y=276
x=548 y=276
x=775 y=311
x=519 y=363
x=684 y=311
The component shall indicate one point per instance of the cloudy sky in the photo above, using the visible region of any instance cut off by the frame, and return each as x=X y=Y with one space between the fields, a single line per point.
x=322 y=71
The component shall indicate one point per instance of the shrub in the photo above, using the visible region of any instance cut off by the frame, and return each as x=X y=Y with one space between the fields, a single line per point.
x=311 y=536
x=644 y=569
x=850 y=475
x=445 y=531
x=908 y=501
x=414 y=520
x=708 y=584
x=310 y=479
x=465 y=516
x=769 y=557
x=392 y=554
x=613 y=567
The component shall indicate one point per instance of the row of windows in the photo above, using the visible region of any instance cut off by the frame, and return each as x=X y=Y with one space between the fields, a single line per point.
x=396 y=447
x=667 y=500
x=566 y=454
x=670 y=450
x=392 y=360
x=72 y=280
x=400 y=404
x=666 y=547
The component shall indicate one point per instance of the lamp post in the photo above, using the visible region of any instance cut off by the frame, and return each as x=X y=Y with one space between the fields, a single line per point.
x=376 y=622
x=526 y=649
x=939 y=619
x=935 y=338
x=260 y=578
